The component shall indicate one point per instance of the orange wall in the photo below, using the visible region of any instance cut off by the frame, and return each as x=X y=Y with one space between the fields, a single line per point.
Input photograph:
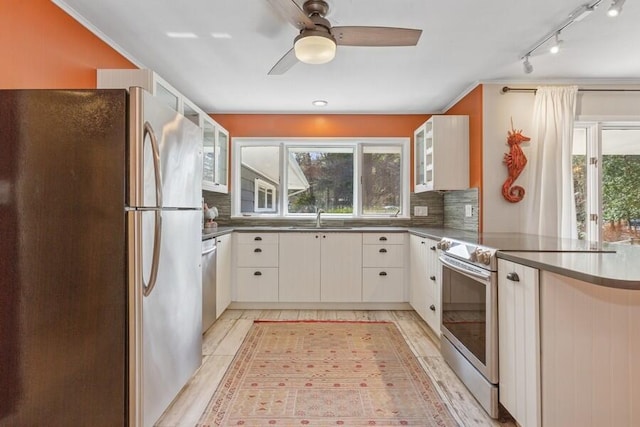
x=471 y=105
x=43 y=47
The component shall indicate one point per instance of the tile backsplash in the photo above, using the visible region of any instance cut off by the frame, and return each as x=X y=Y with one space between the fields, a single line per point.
x=446 y=209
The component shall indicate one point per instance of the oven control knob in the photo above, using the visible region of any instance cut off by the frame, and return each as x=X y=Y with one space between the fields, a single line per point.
x=484 y=257
x=443 y=244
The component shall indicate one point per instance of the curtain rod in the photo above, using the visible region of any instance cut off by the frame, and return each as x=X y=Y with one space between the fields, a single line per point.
x=507 y=89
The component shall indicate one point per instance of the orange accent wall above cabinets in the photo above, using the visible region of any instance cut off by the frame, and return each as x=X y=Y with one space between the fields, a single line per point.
x=43 y=47
x=471 y=105
x=320 y=125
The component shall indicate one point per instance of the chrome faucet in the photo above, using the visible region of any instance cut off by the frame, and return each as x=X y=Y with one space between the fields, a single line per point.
x=320 y=211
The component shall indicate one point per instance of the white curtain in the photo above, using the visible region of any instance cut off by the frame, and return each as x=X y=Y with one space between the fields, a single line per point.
x=551 y=206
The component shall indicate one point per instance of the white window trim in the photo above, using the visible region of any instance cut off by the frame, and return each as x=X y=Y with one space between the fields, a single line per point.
x=594 y=127
x=356 y=143
x=261 y=183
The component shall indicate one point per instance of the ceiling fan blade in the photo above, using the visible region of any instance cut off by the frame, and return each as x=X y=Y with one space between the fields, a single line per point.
x=284 y=64
x=376 y=36
x=289 y=10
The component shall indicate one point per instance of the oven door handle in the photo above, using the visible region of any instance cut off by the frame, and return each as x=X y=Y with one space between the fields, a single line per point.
x=477 y=275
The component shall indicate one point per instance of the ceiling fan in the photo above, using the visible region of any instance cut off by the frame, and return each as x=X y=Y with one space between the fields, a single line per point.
x=317 y=41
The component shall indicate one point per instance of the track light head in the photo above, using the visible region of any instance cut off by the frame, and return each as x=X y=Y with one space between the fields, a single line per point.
x=555 y=47
x=526 y=65
x=615 y=8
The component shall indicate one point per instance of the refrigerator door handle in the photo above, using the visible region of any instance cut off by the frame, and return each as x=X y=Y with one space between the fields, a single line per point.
x=148 y=130
x=157 y=232
x=155 y=262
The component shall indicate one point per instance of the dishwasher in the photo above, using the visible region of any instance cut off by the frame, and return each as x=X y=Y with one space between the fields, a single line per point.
x=208 y=283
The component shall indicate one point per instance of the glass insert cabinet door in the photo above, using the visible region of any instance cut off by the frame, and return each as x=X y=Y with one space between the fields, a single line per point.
x=215 y=157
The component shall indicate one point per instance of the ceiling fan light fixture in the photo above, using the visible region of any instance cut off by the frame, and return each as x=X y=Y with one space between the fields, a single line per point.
x=315 y=48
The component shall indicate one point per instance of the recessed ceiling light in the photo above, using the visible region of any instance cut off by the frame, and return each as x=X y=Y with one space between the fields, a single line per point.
x=320 y=103
x=176 y=35
x=221 y=35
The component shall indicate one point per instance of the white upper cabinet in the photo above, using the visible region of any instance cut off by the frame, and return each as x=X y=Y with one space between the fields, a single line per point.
x=215 y=137
x=442 y=154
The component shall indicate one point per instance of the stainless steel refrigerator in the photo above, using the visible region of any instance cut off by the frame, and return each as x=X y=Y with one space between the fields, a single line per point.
x=100 y=240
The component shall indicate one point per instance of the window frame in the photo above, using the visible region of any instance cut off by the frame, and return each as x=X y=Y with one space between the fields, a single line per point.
x=594 y=128
x=267 y=186
x=318 y=143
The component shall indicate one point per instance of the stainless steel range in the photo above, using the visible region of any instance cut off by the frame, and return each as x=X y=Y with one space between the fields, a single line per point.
x=469 y=340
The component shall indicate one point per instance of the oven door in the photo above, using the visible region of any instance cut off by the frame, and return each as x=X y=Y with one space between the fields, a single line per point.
x=469 y=313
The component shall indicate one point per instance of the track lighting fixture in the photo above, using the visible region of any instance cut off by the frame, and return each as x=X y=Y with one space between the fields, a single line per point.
x=555 y=47
x=615 y=8
x=526 y=65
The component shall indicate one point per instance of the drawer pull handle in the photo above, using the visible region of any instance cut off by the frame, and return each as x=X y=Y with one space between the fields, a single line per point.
x=432 y=277
x=383 y=273
x=383 y=251
x=257 y=273
x=433 y=248
x=383 y=239
x=432 y=307
x=257 y=250
x=257 y=239
x=513 y=277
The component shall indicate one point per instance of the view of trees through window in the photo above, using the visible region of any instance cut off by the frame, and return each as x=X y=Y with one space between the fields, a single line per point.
x=346 y=177
x=329 y=173
x=617 y=194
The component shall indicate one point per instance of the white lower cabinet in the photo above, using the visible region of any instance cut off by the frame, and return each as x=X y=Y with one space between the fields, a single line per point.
x=383 y=284
x=256 y=260
x=258 y=284
x=299 y=267
x=519 y=341
x=425 y=281
x=223 y=273
x=320 y=267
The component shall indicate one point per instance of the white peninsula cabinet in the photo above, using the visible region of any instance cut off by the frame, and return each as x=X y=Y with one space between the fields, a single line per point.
x=320 y=267
x=590 y=353
x=425 y=288
x=442 y=154
x=519 y=341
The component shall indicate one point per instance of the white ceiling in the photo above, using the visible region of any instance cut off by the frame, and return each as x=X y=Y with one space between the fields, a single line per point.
x=463 y=42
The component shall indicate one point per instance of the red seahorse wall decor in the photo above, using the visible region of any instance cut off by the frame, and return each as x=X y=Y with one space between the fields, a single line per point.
x=515 y=161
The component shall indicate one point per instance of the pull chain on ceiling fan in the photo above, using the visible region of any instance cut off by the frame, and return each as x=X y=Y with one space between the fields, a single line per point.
x=317 y=41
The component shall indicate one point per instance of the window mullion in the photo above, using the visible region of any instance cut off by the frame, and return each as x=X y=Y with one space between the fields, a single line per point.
x=594 y=183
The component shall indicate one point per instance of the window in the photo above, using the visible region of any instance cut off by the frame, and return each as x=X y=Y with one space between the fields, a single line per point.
x=606 y=176
x=344 y=178
x=264 y=197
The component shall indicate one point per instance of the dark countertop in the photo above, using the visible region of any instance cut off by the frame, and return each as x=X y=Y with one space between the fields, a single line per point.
x=615 y=266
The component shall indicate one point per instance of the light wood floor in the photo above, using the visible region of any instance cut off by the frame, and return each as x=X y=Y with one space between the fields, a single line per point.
x=222 y=340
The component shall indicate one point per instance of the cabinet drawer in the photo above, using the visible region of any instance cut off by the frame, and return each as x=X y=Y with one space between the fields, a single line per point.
x=383 y=256
x=257 y=284
x=383 y=285
x=383 y=238
x=257 y=255
x=267 y=238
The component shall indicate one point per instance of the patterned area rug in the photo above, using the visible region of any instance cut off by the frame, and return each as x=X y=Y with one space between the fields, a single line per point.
x=325 y=374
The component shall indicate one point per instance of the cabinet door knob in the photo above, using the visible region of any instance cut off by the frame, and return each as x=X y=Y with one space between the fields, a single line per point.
x=257 y=239
x=433 y=248
x=257 y=250
x=257 y=273
x=422 y=243
x=432 y=307
x=513 y=277
x=383 y=251
x=383 y=239
x=383 y=273
x=432 y=277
